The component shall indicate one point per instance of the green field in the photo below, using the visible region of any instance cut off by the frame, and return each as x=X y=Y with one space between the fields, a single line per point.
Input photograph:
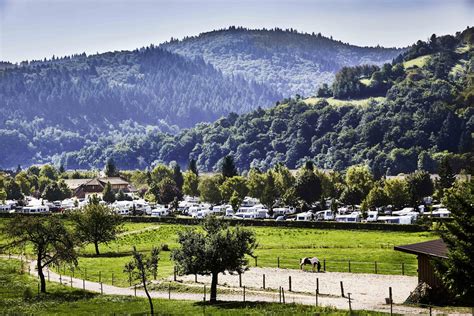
x=18 y=295
x=336 y=247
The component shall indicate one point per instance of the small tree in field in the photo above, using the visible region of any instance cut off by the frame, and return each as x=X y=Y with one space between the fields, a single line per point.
x=96 y=224
x=216 y=250
x=141 y=267
x=51 y=241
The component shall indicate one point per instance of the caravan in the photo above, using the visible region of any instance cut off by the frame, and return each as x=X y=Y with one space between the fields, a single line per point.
x=306 y=216
x=353 y=217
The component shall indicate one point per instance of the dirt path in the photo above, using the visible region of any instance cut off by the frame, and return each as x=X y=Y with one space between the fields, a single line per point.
x=301 y=282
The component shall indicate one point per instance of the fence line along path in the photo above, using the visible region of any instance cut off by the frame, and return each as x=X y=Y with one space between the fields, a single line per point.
x=251 y=295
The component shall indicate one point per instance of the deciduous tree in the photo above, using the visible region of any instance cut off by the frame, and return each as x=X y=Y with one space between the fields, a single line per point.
x=215 y=250
x=52 y=242
x=96 y=223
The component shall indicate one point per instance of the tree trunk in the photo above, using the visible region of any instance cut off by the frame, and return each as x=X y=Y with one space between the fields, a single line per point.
x=41 y=275
x=96 y=244
x=148 y=295
x=214 y=287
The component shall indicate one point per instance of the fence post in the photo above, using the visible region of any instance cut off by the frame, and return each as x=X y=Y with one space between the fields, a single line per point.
x=391 y=301
x=342 y=289
x=317 y=285
x=71 y=280
x=60 y=279
x=256 y=262
x=240 y=280
x=278 y=262
x=101 y=289
x=174 y=273
x=324 y=265
x=283 y=294
x=244 y=293
x=289 y=283
x=316 y=296
x=375 y=266
x=100 y=276
x=264 y=281
x=135 y=287
x=195 y=278
x=350 y=306
x=403 y=268
x=83 y=284
x=430 y=311
x=204 y=293
x=279 y=292
x=349 y=266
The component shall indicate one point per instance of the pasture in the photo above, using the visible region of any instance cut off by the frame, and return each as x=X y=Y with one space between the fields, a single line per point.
x=18 y=295
x=277 y=246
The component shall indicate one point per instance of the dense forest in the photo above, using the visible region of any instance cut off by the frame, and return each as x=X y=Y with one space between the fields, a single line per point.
x=49 y=107
x=426 y=114
x=397 y=117
x=289 y=62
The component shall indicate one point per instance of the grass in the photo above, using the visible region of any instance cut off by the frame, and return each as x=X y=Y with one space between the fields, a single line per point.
x=417 y=62
x=338 y=102
x=18 y=295
x=337 y=247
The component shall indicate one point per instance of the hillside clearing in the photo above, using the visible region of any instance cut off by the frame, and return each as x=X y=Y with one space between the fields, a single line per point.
x=338 y=102
x=417 y=62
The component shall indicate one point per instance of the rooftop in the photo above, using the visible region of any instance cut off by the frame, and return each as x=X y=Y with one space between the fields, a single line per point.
x=433 y=248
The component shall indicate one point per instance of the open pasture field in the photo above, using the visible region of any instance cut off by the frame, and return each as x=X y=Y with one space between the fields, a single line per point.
x=18 y=295
x=277 y=245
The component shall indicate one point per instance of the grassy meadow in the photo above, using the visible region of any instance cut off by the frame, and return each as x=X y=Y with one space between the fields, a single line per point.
x=18 y=295
x=337 y=247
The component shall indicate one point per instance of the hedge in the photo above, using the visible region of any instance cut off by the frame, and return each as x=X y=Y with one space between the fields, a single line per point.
x=267 y=223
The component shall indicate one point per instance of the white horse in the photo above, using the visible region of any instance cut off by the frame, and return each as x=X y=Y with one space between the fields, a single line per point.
x=314 y=262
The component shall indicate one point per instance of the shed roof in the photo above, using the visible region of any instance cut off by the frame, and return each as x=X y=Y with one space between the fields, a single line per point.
x=433 y=248
x=113 y=180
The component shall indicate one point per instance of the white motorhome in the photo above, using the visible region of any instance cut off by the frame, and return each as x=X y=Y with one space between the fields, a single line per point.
x=404 y=219
x=159 y=212
x=372 y=216
x=279 y=211
x=441 y=213
x=326 y=215
x=5 y=208
x=35 y=209
x=306 y=216
x=353 y=217
x=202 y=213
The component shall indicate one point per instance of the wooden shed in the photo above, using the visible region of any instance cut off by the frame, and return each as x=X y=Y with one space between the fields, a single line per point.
x=426 y=251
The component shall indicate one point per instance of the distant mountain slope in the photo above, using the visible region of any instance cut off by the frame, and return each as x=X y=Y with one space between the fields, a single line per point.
x=425 y=114
x=290 y=62
x=146 y=86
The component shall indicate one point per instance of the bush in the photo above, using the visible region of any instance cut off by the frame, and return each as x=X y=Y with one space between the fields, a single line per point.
x=27 y=294
x=165 y=247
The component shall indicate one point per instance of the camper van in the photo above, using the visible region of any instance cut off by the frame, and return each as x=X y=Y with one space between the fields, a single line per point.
x=159 y=212
x=326 y=215
x=35 y=209
x=306 y=216
x=372 y=216
x=404 y=219
x=353 y=217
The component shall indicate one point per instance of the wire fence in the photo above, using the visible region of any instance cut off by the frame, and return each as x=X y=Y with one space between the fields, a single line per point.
x=284 y=295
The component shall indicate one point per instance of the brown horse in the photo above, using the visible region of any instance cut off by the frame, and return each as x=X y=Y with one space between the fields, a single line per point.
x=314 y=262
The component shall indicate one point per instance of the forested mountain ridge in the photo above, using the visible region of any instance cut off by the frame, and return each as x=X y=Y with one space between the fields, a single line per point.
x=289 y=62
x=61 y=105
x=145 y=85
x=425 y=114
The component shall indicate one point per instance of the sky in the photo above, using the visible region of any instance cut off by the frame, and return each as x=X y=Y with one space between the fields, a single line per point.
x=35 y=29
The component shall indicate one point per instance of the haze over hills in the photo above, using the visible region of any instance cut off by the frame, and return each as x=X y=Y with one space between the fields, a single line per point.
x=289 y=62
x=406 y=115
x=55 y=106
